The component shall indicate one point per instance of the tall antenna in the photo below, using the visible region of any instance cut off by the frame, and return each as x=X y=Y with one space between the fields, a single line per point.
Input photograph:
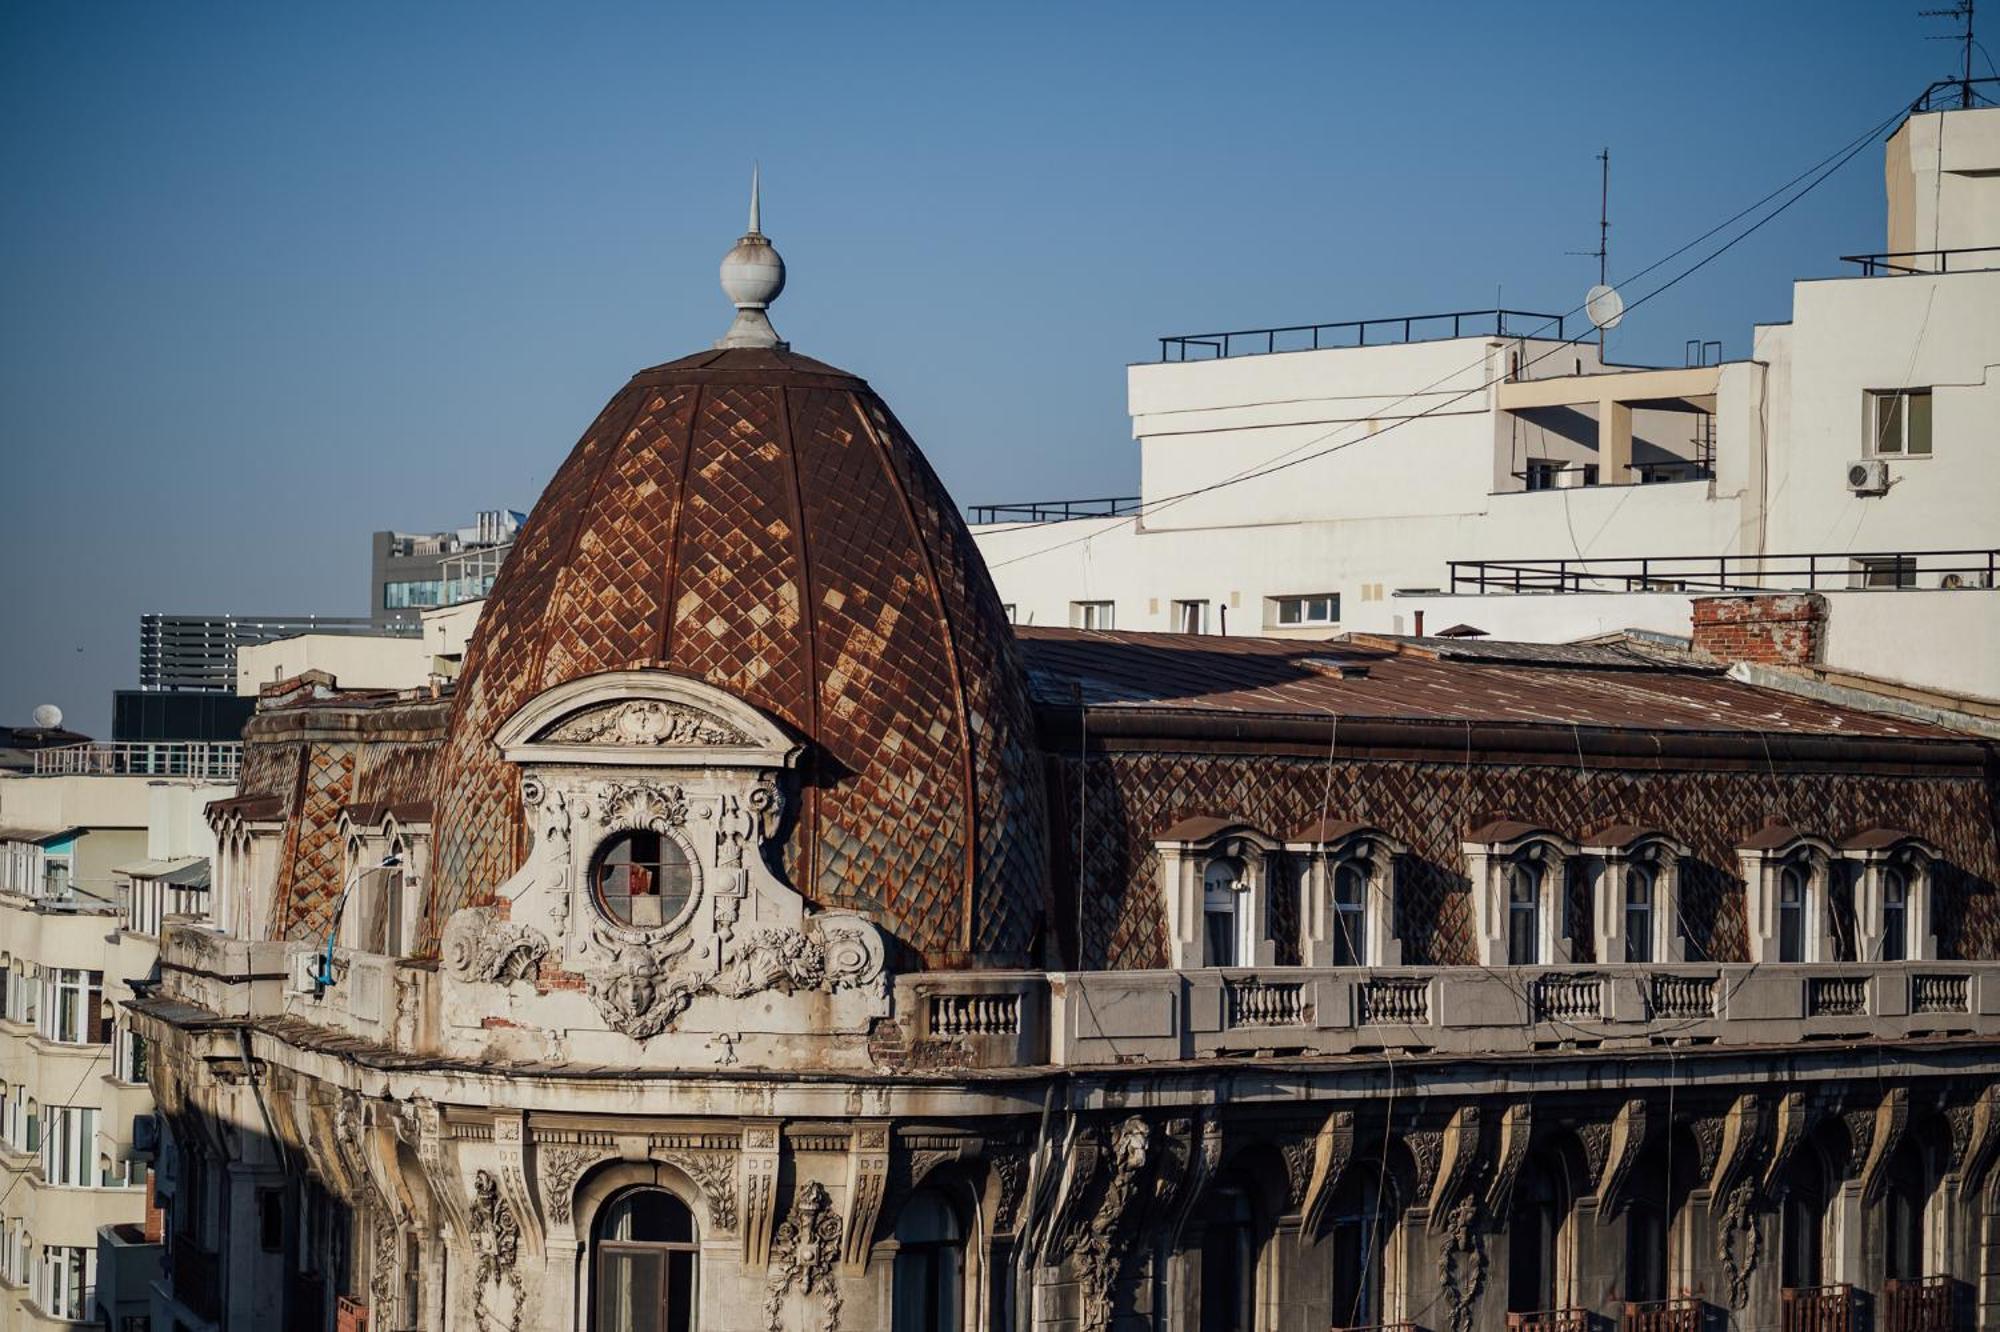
x=1962 y=11
x=1603 y=251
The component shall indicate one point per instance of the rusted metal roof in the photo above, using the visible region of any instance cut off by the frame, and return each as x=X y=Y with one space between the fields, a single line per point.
x=759 y=520
x=1523 y=684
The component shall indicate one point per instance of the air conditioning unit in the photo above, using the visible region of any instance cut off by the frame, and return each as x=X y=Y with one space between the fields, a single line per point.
x=1868 y=476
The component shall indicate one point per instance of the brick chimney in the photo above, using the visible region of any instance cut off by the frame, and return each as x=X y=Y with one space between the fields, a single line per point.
x=1770 y=628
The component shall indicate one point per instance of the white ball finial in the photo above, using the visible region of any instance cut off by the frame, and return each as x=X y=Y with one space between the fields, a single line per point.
x=753 y=275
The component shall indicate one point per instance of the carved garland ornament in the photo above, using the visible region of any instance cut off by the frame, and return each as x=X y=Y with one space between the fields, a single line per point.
x=646 y=722
x=479 y=946
x=496 y=1243
x=559 y=1168
x=807 y=1244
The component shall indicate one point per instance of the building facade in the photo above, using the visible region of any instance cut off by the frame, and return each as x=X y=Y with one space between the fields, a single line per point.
x=90 y=864
x=411 y=572
x=1294 y=482
x=763 y=936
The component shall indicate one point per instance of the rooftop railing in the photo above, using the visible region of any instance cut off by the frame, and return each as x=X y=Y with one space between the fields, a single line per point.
x=1054 y=511
x=1733 y=573
x=1363 y=333
x=1901 y=263
x=216 y=761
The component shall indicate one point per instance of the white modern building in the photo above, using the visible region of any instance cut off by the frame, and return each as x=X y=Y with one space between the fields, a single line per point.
x=96 y=849
x=1409 y=476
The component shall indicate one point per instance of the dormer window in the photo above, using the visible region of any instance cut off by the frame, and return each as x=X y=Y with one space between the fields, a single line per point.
x=1792 y=916
x=1635 y=871
x=1890 y=876
x=1520 y=880
x=1216 y=877
x=1640 y=890
x=643 y=878
x=1524 y=913
x=1347 y=915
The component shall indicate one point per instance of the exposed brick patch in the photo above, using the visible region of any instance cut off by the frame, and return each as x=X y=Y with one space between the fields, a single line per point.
x=1771 y=629
x=555 y=978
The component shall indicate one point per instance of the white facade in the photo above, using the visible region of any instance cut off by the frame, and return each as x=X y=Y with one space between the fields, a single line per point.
x=1397 y=460
x=72 y=1078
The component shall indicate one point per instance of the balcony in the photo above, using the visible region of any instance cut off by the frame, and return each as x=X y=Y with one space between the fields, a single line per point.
x=1685 y=1314
x=213 y=761
x=1929 y=1304
x=1550 y=1320
x=1803 y=572
x=197 y=1278
x=1363 y=333
x=1820 y=1309
x=1052 y=511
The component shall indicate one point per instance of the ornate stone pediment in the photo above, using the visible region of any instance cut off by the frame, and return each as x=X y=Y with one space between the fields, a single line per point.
x=646 y=721
x=649 y=718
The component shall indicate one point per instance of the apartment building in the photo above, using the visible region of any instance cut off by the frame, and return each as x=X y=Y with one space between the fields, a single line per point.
x=95 y=852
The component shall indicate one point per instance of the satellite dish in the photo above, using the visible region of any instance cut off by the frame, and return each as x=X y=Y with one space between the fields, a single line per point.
x=1604 y=306
x=48 y=717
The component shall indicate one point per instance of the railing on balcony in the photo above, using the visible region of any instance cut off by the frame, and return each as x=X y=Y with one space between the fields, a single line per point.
x=1939 y=994
x=1389 y=1001
x=1837 y=996
x=1900 y=263
x=975 y=1014
x=1679 y=997
x=1807 y=571
x=1684 y=1314
x=1819 y=1309
x=1562 y=998
x=1377 y=1327
x=1550 y=1320
x=1055 y=510
x=216 y=761
x=1363 y=333
x=1929 y=1304
x=1255 y=1003
x=197 y=1278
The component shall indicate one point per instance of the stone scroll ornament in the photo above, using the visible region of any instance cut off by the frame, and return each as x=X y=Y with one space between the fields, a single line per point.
x=496 y=1245
x=479 y=946
x=803 y=1255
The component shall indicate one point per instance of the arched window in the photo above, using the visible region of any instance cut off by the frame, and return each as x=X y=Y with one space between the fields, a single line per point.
x=1802 y=1220
x=1360 y=1222
x=646 y=1264
x=1895 y=913
x=643 y=879
x=1524 y=913
x=1228 y=1261
x=393 y=942
x=1538 y=1271
x=930 y=1266
x=1221 y=894
x=1640 y=890
x=1350 y=914
x=1903 y=1203
x=1794 y=883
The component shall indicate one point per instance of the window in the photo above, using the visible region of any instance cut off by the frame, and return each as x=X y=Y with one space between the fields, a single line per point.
x=930 y=1267
x=646 y=1264
x=1886 y=571
x=1313 y=608
x=1639 y=886
x=1895 y=914
x=1007 y=610
x=1590 y=474
x=1792 y=883
x=69 y=1147
x=1524 y=914
x=1540 y=474
x=1222 y=884
x=1093 y=614
x=643 y=879
x=1350 y=915
x=1190 y=617
x=420 y=592
x=1901 y=423
x=74 y=1015
x=67 y=1281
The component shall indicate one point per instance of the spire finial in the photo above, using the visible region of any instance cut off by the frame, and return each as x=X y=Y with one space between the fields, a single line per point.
x=752 y=276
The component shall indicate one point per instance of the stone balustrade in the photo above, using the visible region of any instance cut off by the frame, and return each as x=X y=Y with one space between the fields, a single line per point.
x=1025 y=1019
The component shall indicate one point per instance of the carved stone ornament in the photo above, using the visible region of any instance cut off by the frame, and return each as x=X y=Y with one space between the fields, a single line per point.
x=803 y=1255
x=645 y=721
x=1739 y=1242
x=1462 y=1264
x=559 y=1169
x=496 y=1248
x=479 y=946
x=714 y=1173
x=1105 y=1244
x=1010 y=1169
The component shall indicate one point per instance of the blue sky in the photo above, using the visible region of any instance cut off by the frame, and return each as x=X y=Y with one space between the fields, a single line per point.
x=274 y=276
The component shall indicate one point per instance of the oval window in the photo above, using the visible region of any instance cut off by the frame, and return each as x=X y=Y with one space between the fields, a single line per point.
x=643 y=879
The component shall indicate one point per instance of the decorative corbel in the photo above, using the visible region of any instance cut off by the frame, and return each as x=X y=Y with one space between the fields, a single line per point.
x=1332 y=1149
x=1202 y=1165
x=510 y=1146
x=1458 y=1160
x=1628 y=1135
x=867 y=1180
x=1080 y=1166
x=760 y=1159
x=1891 y=1117
x=1517 y=1124
x=1739 y=1144
x=439 y=1167
x=1794 y=1117
x=1983 y=1136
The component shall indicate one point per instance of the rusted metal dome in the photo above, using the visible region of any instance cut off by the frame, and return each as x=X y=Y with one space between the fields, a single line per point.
x=759 y=520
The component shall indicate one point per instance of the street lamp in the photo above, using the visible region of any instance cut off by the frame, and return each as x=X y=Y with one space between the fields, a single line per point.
x=324 y=977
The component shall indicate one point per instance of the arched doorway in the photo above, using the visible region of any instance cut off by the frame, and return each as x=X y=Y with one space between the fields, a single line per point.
x=1539 y=1263
x=929 y=1282
x=1810 y=1181
x=1906 y=1198
x=646 y=1264
x=1658 y=1245
x=1362 y=1234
